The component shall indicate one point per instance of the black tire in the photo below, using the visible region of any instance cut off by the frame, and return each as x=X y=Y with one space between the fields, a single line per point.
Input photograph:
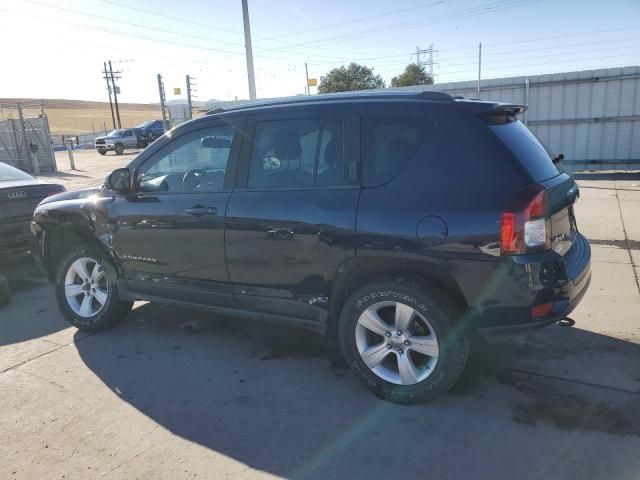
x=113 y=310
x=102 y=152
x=442 y=314
x=119 y=148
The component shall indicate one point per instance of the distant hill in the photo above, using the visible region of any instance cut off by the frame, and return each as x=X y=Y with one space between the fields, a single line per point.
x=80 y=116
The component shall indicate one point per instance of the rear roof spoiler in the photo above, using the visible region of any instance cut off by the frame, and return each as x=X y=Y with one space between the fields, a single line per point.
x=494 y=113
x=480 y=107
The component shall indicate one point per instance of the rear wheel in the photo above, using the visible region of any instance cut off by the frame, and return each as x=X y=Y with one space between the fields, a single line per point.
x=403 y=339
x=87 y=298
x=119 y=148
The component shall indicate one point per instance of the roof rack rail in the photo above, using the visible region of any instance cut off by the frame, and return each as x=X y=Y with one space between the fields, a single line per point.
x=362 y=94
x=431 y=95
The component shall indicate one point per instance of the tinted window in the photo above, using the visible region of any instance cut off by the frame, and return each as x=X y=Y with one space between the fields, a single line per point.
x=195 y=162
x=7 y=172
x=388 y=144
x=297 y=153
x=526 y=147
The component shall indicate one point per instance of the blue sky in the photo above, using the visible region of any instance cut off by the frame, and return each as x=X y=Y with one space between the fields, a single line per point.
x=66 y=41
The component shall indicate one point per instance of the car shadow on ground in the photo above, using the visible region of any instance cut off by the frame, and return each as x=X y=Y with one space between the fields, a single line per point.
x=25 y=278
x=279 y=400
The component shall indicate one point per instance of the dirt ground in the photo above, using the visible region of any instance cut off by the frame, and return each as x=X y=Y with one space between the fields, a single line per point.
x=77 y=116
x=171 y=393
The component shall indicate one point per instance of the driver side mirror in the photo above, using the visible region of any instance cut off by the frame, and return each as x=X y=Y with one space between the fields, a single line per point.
x=119 y=181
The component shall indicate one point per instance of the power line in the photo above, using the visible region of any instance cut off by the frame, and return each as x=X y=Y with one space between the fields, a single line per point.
x=465 y=13
x=272 y=38
x=510 y=60
x=356 y=20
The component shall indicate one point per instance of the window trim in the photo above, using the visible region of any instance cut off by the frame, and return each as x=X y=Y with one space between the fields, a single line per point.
x=350 y=145
x=230 y=175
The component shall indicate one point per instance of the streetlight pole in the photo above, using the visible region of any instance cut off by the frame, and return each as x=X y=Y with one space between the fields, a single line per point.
x=249 y=51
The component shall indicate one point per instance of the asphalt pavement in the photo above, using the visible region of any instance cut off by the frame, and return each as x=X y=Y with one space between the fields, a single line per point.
x=171 y=393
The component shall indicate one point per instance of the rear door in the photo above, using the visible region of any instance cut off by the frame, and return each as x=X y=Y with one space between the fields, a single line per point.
x=291 y=219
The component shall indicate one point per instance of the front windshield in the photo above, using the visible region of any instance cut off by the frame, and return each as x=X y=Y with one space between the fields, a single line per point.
x=7 y=172
x=116 y=133
x=148 y=123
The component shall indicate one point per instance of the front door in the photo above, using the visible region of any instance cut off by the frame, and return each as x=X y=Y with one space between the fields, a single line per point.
x=169 y=234
x=291 y=220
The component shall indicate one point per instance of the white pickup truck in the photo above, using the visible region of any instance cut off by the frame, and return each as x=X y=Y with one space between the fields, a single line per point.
x=120 y=139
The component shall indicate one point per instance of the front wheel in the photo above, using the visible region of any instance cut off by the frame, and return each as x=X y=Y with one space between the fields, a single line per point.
x=102 y=152
x=87 y=298
x=403 y=339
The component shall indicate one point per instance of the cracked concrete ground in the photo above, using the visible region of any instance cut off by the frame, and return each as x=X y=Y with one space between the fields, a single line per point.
x=174 y=394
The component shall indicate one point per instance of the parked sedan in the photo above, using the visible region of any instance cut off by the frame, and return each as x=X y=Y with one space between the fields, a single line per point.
x=20 y=193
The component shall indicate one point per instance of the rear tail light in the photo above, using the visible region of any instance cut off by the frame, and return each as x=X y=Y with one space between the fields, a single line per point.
x=524 y=227
x=541 y=310
x=55 y=192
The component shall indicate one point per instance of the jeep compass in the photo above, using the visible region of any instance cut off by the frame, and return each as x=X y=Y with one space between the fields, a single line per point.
x=399 y=223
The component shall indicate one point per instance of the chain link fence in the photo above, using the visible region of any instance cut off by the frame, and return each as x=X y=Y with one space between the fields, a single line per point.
x=25 y=138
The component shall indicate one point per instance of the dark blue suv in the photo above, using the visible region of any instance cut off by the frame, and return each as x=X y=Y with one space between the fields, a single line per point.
x=152 y=129
x=400 y=224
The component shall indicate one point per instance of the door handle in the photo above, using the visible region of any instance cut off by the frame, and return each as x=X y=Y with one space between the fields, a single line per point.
x=200 y=211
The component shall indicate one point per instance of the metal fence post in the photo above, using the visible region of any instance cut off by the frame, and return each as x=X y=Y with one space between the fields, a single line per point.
x=32 y=160
x=70 y=152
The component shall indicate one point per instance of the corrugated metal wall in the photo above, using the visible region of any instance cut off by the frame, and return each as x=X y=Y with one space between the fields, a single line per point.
x=591 y=116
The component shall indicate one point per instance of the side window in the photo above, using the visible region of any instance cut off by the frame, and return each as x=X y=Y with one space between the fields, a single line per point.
x=195 y=162
x=388 y=144
x=297 y=153
x=128 y=133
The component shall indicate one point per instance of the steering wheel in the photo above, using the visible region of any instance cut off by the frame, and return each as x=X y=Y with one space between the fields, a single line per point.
x=192 y=178
x=213 y=181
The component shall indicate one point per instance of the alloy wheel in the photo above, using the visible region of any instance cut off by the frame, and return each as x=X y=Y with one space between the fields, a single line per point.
x=86 y=287
x=397 y=343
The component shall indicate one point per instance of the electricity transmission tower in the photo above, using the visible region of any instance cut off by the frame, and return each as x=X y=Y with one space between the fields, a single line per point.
x=424 y=58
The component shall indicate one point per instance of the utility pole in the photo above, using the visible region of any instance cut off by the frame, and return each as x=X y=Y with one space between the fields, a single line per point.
x=106 y=77
x=306 y=72
x=479 y=64
x=162 y=98
x=115 y=94
x=189 y=90
x=249 y=51
x=27 y=144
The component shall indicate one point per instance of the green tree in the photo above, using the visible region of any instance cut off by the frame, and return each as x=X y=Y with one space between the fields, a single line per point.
x=413 y=74
x=352 y=77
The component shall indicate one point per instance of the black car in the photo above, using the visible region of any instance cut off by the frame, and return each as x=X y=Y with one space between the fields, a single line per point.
x=399 y=223
x=19 y=195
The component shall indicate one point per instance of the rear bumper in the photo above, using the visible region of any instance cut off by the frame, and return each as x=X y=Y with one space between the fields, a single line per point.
x=532 y=280
x=14 y=235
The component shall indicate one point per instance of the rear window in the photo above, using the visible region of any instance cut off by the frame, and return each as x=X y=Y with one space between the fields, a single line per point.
x=388 y=144
x=8 y=172
x=526 y=147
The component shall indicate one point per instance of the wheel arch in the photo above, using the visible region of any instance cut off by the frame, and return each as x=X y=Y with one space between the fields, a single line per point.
x=59 y=239
x=358 y=271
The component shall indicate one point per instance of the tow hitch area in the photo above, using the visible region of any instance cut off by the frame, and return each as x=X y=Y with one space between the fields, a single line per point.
x=566 y=322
